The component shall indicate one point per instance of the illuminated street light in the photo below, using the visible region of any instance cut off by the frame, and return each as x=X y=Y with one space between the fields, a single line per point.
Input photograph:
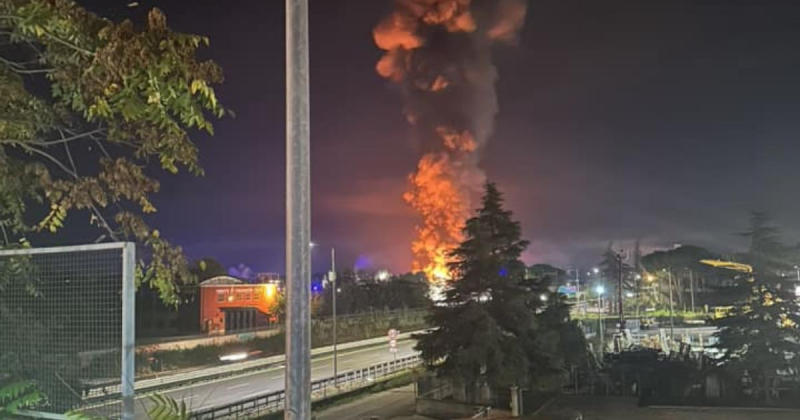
x=312 y=244
x=600 y=289
x=596 y=270
x=629 y=294
x=543 y=297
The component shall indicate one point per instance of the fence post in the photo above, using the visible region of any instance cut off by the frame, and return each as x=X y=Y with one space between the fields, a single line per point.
x=128 y=330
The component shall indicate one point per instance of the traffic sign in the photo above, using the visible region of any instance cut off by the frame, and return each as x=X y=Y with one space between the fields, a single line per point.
x=393 y=333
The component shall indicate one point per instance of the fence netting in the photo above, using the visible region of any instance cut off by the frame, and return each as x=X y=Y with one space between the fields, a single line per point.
x=61 y=326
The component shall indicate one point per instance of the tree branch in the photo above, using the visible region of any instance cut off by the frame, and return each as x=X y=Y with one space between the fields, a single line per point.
x=94 y=208
x=5 y=234
x=20 y=68
x=48 y=156
x=63 y=139
x=55 y=38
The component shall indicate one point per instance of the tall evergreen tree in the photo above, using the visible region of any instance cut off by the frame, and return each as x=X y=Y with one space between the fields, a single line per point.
x=610 y=267
x=485 y=327
x=762 y=333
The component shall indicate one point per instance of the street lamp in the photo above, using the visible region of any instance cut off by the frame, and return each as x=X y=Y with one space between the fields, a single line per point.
x=596 y=270
x=600 y=289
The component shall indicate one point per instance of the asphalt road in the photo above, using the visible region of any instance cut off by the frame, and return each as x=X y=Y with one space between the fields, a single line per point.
x=228 y=390
x=398 y=403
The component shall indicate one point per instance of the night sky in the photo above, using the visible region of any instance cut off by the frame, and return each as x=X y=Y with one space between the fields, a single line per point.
x=664 y=120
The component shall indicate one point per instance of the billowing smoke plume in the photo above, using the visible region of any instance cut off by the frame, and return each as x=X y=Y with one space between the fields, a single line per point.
x=439 y=52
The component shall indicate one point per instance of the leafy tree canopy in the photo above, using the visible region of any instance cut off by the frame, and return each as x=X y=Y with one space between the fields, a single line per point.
x=682 y=257
x=206 y=268
x=762 y=333
x=89 y=106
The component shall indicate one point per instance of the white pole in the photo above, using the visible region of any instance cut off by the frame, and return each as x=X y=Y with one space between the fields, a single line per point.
x=335 y=340
x=297 y=404
x=671 y=314
x=128 y=330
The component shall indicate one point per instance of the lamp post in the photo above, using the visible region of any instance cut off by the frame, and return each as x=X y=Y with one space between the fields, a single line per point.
x=600 y=289
x=671 y=313
x=332 y=278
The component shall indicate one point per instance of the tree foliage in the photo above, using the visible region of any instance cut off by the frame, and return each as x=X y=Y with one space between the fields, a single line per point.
x=206 y=268
x=89 y=105
x=487 y=327
x=762 y=333
x=18 y=395
x=405 y=291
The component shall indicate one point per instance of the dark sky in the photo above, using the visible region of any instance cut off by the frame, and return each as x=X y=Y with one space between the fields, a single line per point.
x=664 y=120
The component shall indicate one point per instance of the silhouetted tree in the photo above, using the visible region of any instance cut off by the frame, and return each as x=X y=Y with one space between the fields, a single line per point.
x=206 y=268
x=485 y=329
x=762 y=333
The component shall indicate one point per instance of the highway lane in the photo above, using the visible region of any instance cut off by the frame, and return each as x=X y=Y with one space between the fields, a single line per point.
x=227 y=390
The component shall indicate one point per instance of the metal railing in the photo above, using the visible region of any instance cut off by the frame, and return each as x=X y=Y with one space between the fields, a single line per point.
x=320 y=389
x=101 y=392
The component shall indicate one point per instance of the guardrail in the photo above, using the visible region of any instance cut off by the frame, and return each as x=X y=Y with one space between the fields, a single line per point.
x=154 y=384
x=321 y=389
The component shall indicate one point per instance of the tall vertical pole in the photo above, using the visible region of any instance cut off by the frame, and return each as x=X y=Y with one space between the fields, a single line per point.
x=619 y=293
x=600 y=319
x=298 y=220
x=128 y=330
x=578 y=288
x=691 y=286
x=335 y=339
x=671 y=314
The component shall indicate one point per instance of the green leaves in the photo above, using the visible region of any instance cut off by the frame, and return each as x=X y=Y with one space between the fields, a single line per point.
x=18 y=395
x=129 y=95
x=165 y=408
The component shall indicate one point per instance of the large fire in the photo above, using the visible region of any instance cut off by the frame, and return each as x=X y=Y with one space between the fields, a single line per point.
x=439 y=52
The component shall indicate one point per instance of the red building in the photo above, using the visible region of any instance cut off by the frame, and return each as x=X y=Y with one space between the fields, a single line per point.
x=228 y=304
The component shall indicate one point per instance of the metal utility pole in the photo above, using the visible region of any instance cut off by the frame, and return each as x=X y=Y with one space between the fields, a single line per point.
x=578 y=288
x=671 y=313
x=332 y=277
x=600 y=319
x=691 y=286
x=619 y=293
x=297 y=405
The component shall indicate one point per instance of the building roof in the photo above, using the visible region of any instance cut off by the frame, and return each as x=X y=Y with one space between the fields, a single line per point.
x=221 y=280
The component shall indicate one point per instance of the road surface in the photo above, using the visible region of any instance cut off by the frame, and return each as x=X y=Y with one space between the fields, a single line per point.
x=625 y=408
x=235 y=388
x=392 y=404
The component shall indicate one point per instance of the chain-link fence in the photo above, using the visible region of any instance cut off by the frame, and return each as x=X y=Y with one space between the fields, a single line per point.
x=66 y=325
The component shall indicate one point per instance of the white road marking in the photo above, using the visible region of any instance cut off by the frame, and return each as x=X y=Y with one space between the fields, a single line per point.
x=231 y=388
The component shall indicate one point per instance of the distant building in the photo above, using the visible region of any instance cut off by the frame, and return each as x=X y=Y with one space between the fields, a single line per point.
x=228 y=304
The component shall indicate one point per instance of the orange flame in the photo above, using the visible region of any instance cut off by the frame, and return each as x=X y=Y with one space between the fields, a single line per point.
x=445 y=178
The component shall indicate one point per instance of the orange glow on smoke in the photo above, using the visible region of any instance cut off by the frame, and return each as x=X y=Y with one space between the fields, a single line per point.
x=436 y=188
x=448 y=175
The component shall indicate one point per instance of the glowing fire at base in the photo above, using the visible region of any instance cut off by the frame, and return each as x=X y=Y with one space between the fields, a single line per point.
x=438 y=51
x=440 y=192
